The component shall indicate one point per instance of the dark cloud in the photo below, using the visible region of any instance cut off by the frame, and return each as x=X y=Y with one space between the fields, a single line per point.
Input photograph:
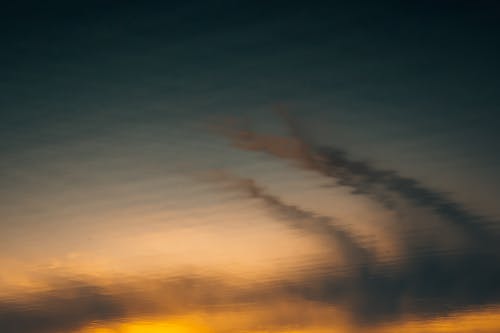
x=80 y=304
x=421 y=283
x=428 y=285
x=423 y=280
x=60 y=310
x=385 y=186
x=68 y=305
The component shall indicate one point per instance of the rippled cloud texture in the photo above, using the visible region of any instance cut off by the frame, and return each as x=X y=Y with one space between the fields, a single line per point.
x=249 y=166
x=421 y=282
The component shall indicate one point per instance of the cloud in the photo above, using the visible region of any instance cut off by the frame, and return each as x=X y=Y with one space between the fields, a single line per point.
x=68 y=304
x=430 y=285
x=419 y=283
x=423 y=281
x=422 y=286
x=59 y=310
x=384 y=186
x=299 y=218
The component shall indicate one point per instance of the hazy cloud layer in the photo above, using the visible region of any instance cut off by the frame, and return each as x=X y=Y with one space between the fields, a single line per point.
x=417 y=283
x=77 y=305
x=422 y=286
x=68 y=304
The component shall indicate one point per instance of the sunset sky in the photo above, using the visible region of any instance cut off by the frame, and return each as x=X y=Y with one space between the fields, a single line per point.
x=249 y=166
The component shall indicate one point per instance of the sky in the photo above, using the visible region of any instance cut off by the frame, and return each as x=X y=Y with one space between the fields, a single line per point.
x=249 y=166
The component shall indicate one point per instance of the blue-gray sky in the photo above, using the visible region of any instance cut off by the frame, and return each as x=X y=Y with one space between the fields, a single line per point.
x=141 y=139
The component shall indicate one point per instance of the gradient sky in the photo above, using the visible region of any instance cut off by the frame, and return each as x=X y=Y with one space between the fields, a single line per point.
x=249 y=166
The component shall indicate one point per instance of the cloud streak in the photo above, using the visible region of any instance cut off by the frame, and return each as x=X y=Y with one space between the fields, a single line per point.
x=301 y=219
x=419 y=283
x=363 y=177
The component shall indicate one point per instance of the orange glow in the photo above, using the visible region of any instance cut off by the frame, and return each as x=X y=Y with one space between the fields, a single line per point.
x=184 y=324
x=486 y=321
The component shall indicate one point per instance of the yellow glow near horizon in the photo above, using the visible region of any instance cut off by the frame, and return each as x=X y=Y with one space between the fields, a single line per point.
x=249 y=321
x=483 y=321
x=185 y=324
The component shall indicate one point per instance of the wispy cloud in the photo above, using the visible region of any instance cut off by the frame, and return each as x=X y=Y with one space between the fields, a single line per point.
x=419 y=283
x=326 y=227
x=363 y=177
